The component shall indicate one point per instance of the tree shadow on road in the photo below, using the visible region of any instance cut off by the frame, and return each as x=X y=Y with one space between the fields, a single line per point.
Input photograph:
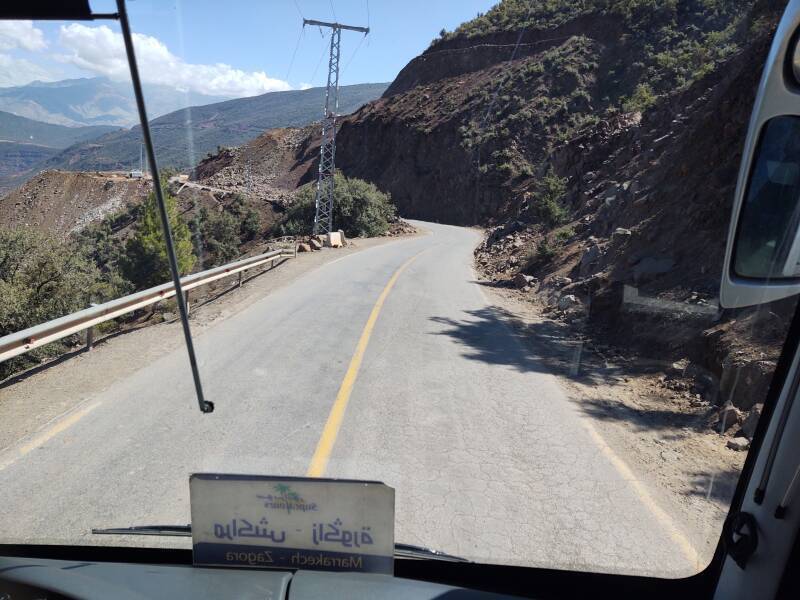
x=662 y=418
x=496 y=336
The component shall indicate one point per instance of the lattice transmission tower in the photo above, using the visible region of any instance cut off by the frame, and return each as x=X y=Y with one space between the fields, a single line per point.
x=323 y=214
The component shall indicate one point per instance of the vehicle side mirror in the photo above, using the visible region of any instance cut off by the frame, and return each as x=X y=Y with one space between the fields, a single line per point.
x=762 y=258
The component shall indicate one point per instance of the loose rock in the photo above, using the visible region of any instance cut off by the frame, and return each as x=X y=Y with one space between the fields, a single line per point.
x=750 y=422
x=739 y=444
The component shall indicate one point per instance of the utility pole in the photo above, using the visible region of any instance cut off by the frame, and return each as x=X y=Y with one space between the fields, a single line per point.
x=323 y=215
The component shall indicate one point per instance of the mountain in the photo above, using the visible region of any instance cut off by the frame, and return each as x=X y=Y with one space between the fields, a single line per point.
x=93 y=101
x=25 y=142
x=20 y=129
x=183 y=137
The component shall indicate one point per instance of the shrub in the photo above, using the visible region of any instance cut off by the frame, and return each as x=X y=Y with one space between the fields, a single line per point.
x=562 y=235
x=42 y=278
x=216 y=233
x=548 y=198
x=641 y=99
x=359 y=208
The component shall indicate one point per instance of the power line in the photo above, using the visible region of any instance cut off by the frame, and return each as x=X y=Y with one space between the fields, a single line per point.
x=333 y=10
x=319 y=62
x=296 y=46
x=353 y=55
x=297 y=6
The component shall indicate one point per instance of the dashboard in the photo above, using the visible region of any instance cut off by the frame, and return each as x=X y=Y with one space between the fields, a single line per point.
x=40 y=579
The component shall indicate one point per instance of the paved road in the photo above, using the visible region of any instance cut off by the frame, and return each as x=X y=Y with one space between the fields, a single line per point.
x=489 y=458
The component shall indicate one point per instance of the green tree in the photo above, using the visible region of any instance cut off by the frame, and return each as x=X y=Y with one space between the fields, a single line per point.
x=145 y=262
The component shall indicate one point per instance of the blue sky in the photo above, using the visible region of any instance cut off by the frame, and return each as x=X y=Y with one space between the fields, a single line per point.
x=234 y=47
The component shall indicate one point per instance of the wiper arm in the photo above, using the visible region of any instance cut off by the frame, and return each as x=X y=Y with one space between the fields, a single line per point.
x=172 y=530
x=400 y=550
x=411 y=551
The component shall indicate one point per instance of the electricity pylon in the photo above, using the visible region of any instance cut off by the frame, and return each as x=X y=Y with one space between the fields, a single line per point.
x=323 y=214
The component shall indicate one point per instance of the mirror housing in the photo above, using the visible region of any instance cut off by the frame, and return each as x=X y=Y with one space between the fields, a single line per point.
x=762 y=256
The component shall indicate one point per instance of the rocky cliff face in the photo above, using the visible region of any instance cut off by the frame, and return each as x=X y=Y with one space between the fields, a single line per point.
x=469 y=126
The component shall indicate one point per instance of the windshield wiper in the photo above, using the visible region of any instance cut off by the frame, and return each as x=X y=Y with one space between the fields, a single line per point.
x=400 y=550
x=411 y=551
x=173 y=530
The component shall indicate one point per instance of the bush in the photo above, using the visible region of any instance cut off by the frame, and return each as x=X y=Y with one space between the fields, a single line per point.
x=145 y=262
x=249 y=223
x=562 y=235
x=359 y=208
x=218 y=235
x=42 y=278
x=548 y=199
x=641 y=99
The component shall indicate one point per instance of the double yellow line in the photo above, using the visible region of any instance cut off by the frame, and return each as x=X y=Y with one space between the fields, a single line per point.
x=330 y=432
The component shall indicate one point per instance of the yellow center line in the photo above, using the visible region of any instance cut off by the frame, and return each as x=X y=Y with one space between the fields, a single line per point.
x=60 y=425
x=322 y=454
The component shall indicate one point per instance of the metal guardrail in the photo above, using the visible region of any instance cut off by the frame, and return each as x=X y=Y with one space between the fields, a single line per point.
x=23 y=341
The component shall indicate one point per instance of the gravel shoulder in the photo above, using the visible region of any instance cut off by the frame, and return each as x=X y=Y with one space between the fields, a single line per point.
x=665 y=438
x=42 y=395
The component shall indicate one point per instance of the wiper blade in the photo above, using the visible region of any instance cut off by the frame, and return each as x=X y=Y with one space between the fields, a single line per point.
x=411 y=551
x=400 y=550
x=173 y=530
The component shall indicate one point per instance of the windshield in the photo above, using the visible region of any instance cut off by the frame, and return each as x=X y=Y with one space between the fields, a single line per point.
x=476 y=258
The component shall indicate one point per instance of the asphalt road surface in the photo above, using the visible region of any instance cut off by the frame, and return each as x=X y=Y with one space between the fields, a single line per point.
x=489 y=458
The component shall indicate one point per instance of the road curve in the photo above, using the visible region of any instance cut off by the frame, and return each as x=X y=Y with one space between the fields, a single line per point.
x=489 y=458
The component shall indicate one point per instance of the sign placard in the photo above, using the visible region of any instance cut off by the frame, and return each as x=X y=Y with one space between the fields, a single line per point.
x=292 y=523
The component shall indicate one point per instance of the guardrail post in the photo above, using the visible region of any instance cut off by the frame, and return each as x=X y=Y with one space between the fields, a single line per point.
x=90 y=332
x=186 y=297
x=240 y=278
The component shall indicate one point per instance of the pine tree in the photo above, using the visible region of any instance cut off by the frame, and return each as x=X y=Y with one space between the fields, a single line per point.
x=146 y=263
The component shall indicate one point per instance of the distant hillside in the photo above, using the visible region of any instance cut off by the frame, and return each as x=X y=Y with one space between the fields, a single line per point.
x=20 y=129
x=184 y=137
x=93 y=101
x=16 y=158
x=25 y=143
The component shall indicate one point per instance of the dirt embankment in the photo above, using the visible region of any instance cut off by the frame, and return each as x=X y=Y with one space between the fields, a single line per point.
x=62 y=202
x=268 y=168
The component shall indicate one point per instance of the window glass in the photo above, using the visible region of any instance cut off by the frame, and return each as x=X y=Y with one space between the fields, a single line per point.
x=771 y=211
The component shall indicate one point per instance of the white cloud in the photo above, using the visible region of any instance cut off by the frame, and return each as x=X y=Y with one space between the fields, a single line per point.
x=19 y=71
x=21 y=34
x=305 y=86
x=101 y=50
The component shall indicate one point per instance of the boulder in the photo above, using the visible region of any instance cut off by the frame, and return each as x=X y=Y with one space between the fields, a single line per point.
x=740 y=444
x=315 y=244
x=650 y=266
x=750 y=422
x=728 y=417
x=621 y=232
x=589 y=257
x=568 y=301
x=521 y=280
x=560 y=281
x=302 y=247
